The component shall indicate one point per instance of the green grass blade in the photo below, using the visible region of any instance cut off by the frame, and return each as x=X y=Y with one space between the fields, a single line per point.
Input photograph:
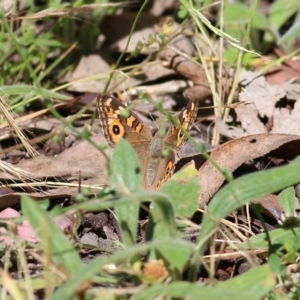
x=24 y=89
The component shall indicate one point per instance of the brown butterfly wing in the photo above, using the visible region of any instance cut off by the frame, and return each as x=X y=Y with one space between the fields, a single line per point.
x=175 y=137
x=116 y=126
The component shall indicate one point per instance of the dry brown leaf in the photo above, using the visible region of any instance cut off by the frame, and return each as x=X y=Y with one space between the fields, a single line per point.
x=83 y=158
x=280 y=74
x=233 y=153
x=270 y=205
x=185 y=67
x=189 y=69
x=69 y=190
x=117 y=26
x=288 y=69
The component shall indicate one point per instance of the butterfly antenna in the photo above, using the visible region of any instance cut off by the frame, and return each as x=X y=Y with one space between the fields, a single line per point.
x=157 y=127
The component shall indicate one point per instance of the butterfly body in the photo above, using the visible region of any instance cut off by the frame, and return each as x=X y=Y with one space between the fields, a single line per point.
x=156 y=151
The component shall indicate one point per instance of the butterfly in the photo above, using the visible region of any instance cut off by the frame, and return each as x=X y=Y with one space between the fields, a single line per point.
x=156 y=151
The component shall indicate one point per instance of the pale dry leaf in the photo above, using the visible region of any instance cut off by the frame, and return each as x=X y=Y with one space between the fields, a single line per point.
x=292 y=89
x=155 y=70
x=160 y=89
x=248 y=116
x=229 y=131
x=88 y=66
x=160 y=6
x=181 y=42
x=142 y=36
x=262 y=95
x=287 y=121
x=9 y=6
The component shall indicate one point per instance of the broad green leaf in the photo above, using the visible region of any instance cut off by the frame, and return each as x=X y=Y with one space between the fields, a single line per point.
x=287 y=201
x=184 y=188
x=162 y=219
x=125 y=167
x=125 y=177
x=53 y=240
x=244 y=190
x=279 y=237
x=276 y=265
x=177 y=257
x=239 y=14
x=254 y=284
x=281 y=11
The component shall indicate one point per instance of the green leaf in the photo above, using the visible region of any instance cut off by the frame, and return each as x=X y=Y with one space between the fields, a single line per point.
x=184 y=188
x=85 y=134
x=287 y=201
x=52 y=238
x=178 y=257
x=162 y=218
x=182 y=12
x=279 y=237
x=125 y=166
x=239 y=14
x=125 y=177
x=244 y=190
x=281 y=11
x=254 y=284
x=275 y=263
